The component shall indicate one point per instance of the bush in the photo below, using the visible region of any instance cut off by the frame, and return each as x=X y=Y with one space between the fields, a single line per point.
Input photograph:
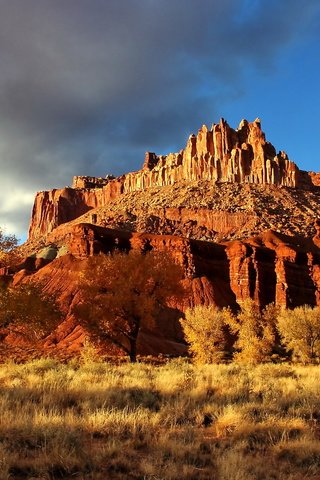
x=256 y=332
x=300 y=331
x=206 y=332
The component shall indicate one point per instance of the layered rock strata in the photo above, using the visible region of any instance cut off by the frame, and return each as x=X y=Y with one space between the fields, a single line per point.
x=217 y=155
x=270 y=267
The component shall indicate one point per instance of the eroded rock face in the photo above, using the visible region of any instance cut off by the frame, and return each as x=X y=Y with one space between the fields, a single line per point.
x=218 y=155
x=270 y=267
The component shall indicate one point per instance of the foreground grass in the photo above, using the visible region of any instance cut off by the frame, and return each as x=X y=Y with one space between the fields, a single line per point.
x=175 y=421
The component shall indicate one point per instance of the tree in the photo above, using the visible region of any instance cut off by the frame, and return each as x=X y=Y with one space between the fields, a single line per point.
x=205 y=329
x=27 y=309
x=9 y=255
x=121 y=292
x=300 y=331
x=256 y=332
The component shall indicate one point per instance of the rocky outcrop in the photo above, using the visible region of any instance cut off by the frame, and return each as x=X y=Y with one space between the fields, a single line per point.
x=55 y=207
x=270 y=267
x=217 y=155
x=91 y=182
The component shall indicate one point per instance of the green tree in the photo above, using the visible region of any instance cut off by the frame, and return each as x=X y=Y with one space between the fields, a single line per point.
x=121 y=292
x=27 y=309
x=256 y=332
x=205 y=329
x=300 y=331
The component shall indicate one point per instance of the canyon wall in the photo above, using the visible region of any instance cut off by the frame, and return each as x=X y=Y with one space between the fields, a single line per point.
x=270 y=267
x=220 y=154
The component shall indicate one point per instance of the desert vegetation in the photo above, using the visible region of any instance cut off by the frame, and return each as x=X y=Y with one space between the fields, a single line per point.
x=205 y=330
x=234 y=410
x=255 y=336
x=121 y=292
x=94 y=420
x=27 y=311
x=9 y=255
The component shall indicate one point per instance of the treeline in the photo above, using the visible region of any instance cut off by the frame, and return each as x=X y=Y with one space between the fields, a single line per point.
x=251 y=335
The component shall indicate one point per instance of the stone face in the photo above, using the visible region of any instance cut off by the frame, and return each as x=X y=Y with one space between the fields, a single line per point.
x=226 y=184
x=270 y=267
x=217 y=155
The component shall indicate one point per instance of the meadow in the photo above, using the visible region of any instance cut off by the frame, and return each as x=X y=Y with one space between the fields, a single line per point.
x=175 y=421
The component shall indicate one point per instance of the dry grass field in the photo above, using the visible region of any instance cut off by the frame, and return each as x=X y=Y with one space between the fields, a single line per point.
x=175 y=421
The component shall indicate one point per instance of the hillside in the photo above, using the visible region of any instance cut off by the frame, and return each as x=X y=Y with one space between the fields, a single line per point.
x=203 y=211
x=239 y=217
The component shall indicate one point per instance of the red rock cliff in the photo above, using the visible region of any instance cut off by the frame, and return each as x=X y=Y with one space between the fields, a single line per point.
x=270 y=267
x=220 y=154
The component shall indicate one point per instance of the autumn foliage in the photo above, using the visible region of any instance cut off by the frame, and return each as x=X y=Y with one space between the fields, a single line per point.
x=205 y=329
x=121 y=293
x=9 y=255
x=300 y=332
x=256 y=332
x=28 y=310
x=259 y=335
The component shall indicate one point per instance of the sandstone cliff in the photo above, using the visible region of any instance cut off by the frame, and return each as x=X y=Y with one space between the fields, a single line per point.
x=238 y=217
x=270 y=267
x=218 y=155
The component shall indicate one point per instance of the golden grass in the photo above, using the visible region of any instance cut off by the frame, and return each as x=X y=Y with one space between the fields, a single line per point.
x=91 y=420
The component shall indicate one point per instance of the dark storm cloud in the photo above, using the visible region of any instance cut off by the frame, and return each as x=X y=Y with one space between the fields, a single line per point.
x=86 y=86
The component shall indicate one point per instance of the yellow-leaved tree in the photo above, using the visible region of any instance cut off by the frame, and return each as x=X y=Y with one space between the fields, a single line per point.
x=28 y=310
x=121 y=293
x=206 y=331
x=300 y=331
x=9 y=255
x=256 y=332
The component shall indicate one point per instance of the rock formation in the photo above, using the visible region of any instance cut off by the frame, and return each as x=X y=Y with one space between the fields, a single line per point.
x=219 y=155
x=270 y=267
x=227 y=207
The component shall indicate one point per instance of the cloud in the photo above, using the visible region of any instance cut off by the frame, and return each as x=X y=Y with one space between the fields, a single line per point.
x=86 y=86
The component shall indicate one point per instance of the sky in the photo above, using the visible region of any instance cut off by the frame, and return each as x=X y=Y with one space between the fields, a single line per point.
x=87 y=86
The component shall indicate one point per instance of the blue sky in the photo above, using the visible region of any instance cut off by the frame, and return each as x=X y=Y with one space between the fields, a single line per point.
x=87 y=86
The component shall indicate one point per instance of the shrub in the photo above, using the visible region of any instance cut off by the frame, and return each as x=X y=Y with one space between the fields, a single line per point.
x=206 y=332
x=300 y=331
x=256 y=332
